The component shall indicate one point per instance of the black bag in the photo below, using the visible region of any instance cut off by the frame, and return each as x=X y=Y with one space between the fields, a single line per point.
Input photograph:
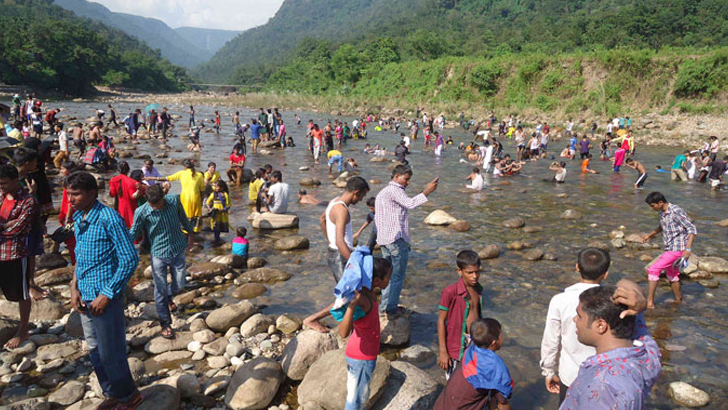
x=62 y=233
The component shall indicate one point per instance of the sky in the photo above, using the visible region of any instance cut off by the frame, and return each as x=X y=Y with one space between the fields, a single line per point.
x=220 y=14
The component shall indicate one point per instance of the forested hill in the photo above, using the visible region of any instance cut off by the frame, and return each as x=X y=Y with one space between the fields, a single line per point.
x=46 y=46
x=187 y=47
x=429 y=29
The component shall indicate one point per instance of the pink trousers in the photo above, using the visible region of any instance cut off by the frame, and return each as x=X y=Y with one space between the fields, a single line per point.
x=664 y=262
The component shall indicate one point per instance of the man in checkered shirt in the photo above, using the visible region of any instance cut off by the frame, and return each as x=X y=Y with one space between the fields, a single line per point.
x=392 y=223
x=678 y=233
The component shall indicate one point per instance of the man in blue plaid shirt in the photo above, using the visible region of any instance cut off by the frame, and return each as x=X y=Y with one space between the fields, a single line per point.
x=106 y=259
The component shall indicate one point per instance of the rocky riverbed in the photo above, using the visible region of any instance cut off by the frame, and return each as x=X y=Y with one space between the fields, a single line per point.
x=239 y=338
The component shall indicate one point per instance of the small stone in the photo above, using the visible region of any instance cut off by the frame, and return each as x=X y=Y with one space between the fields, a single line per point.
x=266 y=345
x=198 y=355
x=288 y=324
x=234 y=349
x=255 y=352
x=218 y=362
x=204 y=336
x=194 y=346
x=24 y=365
x=571 y=214
x=686 y=395
x=514 y=223
x=36 y=391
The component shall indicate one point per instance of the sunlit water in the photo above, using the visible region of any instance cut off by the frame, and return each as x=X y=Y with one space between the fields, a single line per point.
x=517 y=291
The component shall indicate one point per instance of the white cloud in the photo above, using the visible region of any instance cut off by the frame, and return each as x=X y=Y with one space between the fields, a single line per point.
x=222 y=14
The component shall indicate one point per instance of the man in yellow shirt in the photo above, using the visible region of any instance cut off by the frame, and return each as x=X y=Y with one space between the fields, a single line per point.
x=335 y=158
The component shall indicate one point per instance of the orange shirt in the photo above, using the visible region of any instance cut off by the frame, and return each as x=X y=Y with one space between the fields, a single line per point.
x=584 y=165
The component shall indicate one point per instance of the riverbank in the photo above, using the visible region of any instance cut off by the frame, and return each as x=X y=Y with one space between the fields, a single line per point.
x=672 y=128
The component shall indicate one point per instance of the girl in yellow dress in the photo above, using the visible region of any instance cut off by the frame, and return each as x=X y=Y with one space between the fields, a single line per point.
x=193 y=185
x=219 y=204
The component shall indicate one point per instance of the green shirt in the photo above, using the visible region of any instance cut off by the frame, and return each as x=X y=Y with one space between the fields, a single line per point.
x=679 y=161
x=164 y=227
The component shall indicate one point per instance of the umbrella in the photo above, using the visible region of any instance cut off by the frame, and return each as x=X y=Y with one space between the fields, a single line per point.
x=153 y=106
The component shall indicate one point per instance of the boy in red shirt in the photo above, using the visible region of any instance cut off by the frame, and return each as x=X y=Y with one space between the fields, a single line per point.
x=363 y=345
x=460 y=305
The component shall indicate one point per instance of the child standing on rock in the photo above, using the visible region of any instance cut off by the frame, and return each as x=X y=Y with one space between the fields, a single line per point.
x=363 y=345
x=460 y=305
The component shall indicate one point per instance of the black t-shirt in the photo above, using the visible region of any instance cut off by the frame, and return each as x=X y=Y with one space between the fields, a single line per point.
x=718 y=168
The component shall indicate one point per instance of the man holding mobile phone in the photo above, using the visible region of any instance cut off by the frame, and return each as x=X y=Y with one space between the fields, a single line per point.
x=392 y=223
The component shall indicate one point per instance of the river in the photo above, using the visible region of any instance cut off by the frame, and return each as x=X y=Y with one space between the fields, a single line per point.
x=517 y=291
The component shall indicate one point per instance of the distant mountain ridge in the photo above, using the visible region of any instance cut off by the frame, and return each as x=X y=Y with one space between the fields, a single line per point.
x=186 y=46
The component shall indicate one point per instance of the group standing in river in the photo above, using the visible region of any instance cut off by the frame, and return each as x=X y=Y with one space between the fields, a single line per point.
x=588 y=327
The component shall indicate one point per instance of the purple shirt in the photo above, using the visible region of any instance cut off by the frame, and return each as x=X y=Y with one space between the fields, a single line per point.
x=584 y=146
x=618 y=379
x=390 y=213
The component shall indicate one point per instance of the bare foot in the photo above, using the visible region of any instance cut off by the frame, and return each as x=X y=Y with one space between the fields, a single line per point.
x=16 y=341
x=316 y=325
x=37 y=293
x=650 y=306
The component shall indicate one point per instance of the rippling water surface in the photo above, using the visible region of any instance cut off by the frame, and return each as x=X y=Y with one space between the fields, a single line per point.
x=517 y=291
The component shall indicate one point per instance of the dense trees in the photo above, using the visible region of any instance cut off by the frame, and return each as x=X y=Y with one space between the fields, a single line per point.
x=49 y=47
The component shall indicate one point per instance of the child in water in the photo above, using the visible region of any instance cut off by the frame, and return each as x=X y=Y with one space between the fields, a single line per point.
x=240 y=244
x=219 y=203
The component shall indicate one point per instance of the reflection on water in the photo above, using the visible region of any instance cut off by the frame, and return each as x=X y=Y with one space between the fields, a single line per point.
x=517 y=291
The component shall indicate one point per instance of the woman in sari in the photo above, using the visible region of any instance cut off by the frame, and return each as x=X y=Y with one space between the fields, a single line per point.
x=193 y=185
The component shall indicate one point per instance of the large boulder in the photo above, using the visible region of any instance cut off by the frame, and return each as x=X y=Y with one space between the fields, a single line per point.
x=160 y=397
x=533 y=254
x=48 y=309
x=207 y=270
x=186 y=383
x=395 y=330
x=50 y=261
x=144 y=291
x=288 y=324
x=231 y=260
x=68 y=394
x=270 y=220
x=60 y=276
x=303 y=350
x=254 y=384
x=290 y=243
x=408 y=388
x=159 y=344
x=229 y=316
x=686 y=395
x=325 y=382
x=439 y=218
x=258 y=323
x=713 y=264
x=264 y=275
x=58 y=350
x=309 y=182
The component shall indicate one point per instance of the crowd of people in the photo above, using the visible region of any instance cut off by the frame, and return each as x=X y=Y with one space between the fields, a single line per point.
x=591 y=328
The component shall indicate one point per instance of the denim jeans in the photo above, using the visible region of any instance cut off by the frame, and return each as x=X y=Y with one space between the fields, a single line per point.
x=106 y=339
x=163 y=293
x=359 y=374
x=336 y=263
x=398 y=253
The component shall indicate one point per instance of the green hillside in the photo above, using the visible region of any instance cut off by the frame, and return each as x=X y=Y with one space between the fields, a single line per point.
x=46 y=46
x=206 y=39
x=430 y=29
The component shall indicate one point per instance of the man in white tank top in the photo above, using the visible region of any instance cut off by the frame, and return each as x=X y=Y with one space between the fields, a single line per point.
x=337 y=228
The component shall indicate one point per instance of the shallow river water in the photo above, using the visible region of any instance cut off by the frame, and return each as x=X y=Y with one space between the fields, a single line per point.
x=517 y=291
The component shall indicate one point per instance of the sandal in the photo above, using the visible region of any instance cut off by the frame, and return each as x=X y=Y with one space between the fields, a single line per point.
x=108 y=404
x=131 y=405
x=168 y=333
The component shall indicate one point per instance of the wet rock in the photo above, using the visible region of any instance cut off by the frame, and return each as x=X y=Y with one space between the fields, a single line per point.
x=460 y=226
x=533 y=254
x=439 y=218
x=275 y=221
x=532 y=229
x=395 y=330
x=633 y=238
x=686 y=395
x=305 y=349
x=514 y=223
x=550 y=257
x=144 y=291
x=58 y=350
x=288 y=323
x=229 y=316
x=515 y=245
x=709 y=283
x=570 y=214
x=207 y=270
x=249 y=291
x=256 y=262
x=50 y=261
x=599 y=245
x=325 y=383
x=618 y=243
x=60 y=276
x=291 y=243
x=264 y=275
x=713 y=264
x=258 y=323
x=416 y=354
x=41 y=310
x=616 y=234
x=204 y=302
x=408 y=388
x=723 y=223
x=309 y=182
x=160 y=397
x=231 y=260
x=160 y=345
x=254 y=384
x=489 y=252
